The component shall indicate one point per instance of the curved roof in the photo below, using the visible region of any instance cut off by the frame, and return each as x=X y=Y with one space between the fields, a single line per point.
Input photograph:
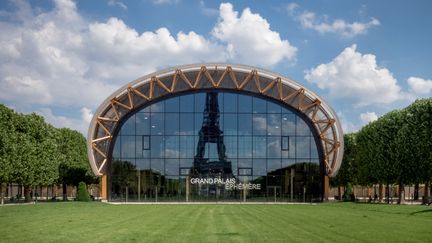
x=166 y=83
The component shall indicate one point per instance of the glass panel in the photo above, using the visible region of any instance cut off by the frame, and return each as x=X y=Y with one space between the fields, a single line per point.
x=231 y=146
x=143 y=164
x=128 y=127
x=245 y=163
x=273 y=147
x=142 y=123
x=171 y=167
x=245 y=124
x=245 y=103
x=157 y=145
x=288 y=125
x=302 y=128
x=303 y=147
x=172 y=147
x=157 y=123
x=138 y=146
x=259 y=147
x=127 y=146
x=259 y=105
x=157 y=107
x=285 y=143
x=146 y=142
x=273 y=166
x=187 y=146
x=186 y=124
x=259 y=167
x=230 y=102
x=259 y=124
x=200 y=100
x=172 y=123
x=230 y=124
x=157 y=166
x=172 y=104
x=187 y=103
x=314 y=151
x=274 y=124
x=116 y=150
x=273 y=107
x=245 y=147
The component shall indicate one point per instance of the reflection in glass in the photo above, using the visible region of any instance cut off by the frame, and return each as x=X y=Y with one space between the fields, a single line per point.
x=244 y=138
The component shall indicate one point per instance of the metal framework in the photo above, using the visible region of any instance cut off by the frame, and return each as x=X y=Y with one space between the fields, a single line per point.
x=164 y=84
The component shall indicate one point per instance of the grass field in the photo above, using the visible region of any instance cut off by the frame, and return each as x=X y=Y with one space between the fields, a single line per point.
x=329 y=222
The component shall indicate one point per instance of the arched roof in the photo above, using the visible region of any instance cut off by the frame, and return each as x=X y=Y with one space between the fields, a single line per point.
x=166 y=83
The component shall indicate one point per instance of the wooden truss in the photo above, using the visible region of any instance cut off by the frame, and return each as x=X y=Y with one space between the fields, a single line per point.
x=137 y=94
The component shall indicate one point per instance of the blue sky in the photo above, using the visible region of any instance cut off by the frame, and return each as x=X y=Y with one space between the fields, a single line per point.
x=62 y=58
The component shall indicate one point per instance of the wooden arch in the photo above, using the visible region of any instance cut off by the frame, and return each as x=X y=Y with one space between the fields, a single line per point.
x=166 y=83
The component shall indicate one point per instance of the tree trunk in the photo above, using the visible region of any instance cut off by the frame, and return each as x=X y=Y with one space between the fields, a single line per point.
x=27 y=190
x=388 y=193
x=381 y=192
x=426 y=193
x=339 y=193
x=2 y=196
x=64 y=191
x=416 y=191
x=401 y=193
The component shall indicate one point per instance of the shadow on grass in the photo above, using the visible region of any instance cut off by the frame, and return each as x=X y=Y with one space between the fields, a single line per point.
x=422 y=211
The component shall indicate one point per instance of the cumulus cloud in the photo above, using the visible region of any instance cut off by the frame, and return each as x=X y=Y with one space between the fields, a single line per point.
x=420 y=86
x=249 y=38
x=80 y=124
x=357 y=77
x=61 y=58
x=309 y=20
x=368 y=117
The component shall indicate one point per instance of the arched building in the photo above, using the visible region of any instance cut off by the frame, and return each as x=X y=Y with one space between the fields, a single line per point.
x=214 y=132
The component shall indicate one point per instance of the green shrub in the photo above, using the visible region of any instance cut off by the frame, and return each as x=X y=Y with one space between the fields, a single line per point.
x=82 y=194
x=348 y=193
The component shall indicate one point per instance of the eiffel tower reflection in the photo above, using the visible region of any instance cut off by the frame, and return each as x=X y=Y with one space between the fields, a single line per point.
x=210 y=132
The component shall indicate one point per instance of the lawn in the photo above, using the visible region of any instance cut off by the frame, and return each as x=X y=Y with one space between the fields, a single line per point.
x=328 y=222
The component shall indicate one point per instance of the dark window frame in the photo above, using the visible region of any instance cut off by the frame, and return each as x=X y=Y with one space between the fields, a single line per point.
x=285 y=145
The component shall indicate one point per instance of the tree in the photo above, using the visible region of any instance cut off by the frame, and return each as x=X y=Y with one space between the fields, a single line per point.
x=6 y=133
x=417 y=143
x=348 y=172
x=74 y=166
x=82 y=194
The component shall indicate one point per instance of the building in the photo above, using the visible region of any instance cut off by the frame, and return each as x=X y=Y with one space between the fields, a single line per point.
x=214 y=132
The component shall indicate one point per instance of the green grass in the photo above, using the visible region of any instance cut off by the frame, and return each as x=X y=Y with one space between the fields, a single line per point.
x=329 y=222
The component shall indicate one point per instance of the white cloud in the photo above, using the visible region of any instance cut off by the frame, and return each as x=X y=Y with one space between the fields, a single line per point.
x=368 y=117
x=118 y=4
x=357 y=77
x=347 y=126
x=80 y=124
x=160 y=2
x=420 y=86
x=61 y=58
x=309 y=20
x=249 y=38
x=206 y=10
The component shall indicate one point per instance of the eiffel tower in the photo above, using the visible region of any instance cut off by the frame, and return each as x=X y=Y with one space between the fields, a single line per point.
x=210 y=132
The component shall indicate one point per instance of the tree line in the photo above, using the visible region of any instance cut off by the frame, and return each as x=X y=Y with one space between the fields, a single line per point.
x=34 y=153
x=396 y=149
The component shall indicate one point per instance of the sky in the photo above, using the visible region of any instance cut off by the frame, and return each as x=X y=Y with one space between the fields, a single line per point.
x=62 y=58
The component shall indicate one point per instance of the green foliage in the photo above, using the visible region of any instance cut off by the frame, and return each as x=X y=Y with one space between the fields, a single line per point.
x=397 y=148
x=34 y=153
x=348 y=193
x=82 y=193
x=74 y=166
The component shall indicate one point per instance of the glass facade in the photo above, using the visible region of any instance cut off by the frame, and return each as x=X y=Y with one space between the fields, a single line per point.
x=215 y=146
